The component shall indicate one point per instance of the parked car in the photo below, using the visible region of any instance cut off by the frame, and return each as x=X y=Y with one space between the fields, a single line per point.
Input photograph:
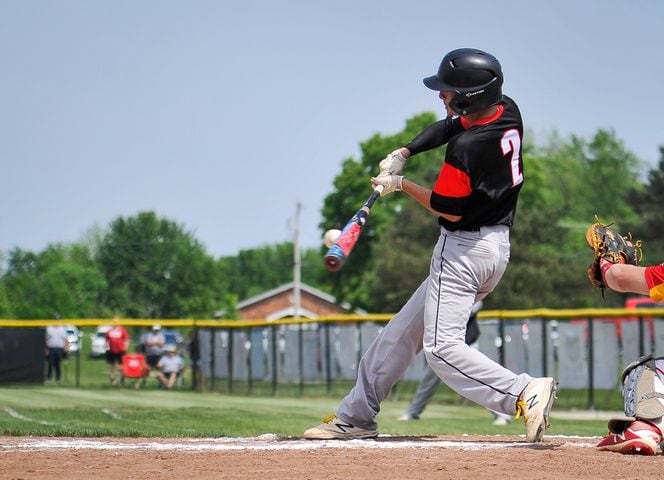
x=98 y=341
x=73 y=338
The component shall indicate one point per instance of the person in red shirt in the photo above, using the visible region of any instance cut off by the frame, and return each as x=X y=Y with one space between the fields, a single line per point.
x=117 y=342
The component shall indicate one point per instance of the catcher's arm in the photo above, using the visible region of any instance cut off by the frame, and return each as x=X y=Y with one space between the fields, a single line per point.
x=609 y=245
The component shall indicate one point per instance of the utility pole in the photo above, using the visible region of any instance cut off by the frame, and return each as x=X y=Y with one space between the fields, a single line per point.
x=297 y=264
x=297 y=300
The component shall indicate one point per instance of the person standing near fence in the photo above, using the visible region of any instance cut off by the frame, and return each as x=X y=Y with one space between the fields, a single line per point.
x=56 y=348
x=153 y=346
x=117 y=343
x=474 y=200
x=197 y=380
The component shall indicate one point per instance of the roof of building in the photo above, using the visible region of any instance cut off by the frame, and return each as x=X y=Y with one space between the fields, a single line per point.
x=285 y=288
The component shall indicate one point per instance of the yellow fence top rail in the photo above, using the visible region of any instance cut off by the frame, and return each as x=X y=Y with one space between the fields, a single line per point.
x=544 y=313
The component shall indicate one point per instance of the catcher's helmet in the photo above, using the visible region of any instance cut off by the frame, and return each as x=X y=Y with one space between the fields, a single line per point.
x=474 y=75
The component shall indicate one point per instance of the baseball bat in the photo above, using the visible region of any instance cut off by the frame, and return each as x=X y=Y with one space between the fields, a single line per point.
x=338 y=253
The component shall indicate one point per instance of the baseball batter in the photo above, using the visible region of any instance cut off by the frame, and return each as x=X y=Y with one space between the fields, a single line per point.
x=474 y=200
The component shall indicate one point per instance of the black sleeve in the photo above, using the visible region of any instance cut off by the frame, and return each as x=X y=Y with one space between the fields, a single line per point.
x=435 y=135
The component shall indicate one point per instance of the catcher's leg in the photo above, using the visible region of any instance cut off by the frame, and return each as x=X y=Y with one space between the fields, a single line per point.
x=640 y=438
x=639 y=431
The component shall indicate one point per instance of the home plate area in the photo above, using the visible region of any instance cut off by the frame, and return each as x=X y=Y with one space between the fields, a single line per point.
x=275 y=442
x=387 y=457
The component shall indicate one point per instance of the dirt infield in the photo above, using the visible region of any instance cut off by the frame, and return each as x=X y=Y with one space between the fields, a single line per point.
x=278 y=458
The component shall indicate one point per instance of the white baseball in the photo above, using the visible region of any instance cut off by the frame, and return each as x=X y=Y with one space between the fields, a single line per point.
x=331 y=236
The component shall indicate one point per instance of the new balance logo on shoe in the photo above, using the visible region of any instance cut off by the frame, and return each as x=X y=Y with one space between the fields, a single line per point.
x=334 y=428
x=344 y=427
x=532 y=401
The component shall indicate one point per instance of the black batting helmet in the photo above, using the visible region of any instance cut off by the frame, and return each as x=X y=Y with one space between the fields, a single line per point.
x=474 y=75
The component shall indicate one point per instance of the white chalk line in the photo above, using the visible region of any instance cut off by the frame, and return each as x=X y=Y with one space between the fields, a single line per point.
x=13 y=413
x=276 y=442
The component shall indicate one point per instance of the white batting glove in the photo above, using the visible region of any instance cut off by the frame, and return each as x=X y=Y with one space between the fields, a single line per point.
x=390 y=183
x=392 y=164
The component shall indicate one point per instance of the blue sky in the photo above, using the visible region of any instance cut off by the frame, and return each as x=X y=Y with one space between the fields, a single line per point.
x=224 y=115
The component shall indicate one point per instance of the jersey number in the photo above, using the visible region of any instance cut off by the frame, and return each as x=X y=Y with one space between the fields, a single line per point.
x=511 y=142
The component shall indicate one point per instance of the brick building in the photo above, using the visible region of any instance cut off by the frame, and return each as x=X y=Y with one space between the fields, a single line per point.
x=280 y=302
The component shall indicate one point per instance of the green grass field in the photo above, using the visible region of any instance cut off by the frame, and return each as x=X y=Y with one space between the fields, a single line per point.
x=98 y=408
x=121 y=412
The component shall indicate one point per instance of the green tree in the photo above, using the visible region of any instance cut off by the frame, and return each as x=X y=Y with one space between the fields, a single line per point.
x=62 y=279
x=253 y=271
x=156 y=269
x=402 y=259
x=649 y=203
x=601 y=178
x=365 y=279
x=5 y=308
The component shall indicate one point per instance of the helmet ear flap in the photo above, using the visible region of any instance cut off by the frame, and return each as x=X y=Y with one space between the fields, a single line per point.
x=459 y=104
x=465 y=103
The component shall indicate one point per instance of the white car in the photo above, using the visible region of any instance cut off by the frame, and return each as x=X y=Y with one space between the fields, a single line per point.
x=73 y=338
x=98 y=341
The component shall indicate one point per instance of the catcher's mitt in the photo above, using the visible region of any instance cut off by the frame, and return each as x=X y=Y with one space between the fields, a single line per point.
x=611 y=246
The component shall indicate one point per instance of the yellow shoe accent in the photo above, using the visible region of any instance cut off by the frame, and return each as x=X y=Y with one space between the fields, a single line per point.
x=521 y=409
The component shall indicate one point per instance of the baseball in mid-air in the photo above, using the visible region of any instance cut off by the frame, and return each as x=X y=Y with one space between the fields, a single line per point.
x=331 y=236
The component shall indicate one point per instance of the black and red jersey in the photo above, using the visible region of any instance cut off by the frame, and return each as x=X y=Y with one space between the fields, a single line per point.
x=483 y=170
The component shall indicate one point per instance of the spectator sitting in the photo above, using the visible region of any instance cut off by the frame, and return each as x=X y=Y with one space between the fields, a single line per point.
x=153 y=346
x=169 y=367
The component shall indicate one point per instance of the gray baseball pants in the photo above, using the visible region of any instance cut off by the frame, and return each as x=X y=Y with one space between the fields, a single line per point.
x=465 y=268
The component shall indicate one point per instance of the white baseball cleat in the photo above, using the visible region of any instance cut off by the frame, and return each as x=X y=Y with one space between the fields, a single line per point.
x=334 y=428
x=534 y=405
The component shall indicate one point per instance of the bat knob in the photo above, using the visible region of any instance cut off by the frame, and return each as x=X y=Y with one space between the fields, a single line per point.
x=332 y=263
